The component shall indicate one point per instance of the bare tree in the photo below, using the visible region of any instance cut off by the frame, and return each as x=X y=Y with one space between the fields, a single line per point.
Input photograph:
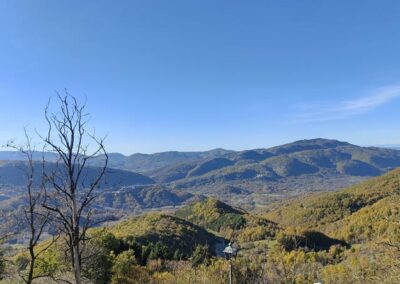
x=35 y=219
x=71 y=190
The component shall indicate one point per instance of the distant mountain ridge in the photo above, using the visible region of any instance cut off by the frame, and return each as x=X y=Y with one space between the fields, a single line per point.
x=148 y=163
x=249 y=178
x=294 y=159
x=13 y=173
x=136 y=162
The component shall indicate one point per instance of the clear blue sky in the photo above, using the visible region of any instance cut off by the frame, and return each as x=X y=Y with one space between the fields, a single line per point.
x=196 y=75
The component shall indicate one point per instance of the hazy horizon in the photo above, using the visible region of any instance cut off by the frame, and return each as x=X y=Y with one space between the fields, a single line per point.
x=394 y=146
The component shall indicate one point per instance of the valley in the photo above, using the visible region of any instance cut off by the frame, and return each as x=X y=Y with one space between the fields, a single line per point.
x=347 y=236
x=288 y=209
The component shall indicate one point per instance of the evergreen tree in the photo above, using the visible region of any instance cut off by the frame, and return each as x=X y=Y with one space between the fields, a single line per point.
x=200 y=256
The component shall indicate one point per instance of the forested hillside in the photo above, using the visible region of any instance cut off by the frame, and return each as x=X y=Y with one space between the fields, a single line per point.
x=350 y=236
x=322 y=209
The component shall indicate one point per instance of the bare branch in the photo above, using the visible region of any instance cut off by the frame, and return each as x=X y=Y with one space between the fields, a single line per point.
x=68 y=198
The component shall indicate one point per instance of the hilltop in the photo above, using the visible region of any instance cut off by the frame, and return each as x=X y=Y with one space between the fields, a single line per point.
x=232 y=223
x=174 y=233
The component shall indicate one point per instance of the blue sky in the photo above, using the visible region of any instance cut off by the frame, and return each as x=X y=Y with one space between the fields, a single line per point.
x=195 y=75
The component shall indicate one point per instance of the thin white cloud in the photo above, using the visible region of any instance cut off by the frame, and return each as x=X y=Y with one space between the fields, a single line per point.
x=345 y=109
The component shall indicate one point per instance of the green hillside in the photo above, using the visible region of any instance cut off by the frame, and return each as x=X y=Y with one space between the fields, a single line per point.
x=377 y=222
x=365 y=216
x=171 y=231
x=209 y=165
x=213 y=214
x=135 y=243
x=131 y=198
x=322 y=209
x=232 y=223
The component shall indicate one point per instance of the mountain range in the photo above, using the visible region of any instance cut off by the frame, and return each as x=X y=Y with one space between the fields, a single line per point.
x=250 y=178
x=346 y=235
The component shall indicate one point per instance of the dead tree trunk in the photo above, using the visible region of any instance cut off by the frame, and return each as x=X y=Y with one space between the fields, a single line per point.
x=71 y=190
